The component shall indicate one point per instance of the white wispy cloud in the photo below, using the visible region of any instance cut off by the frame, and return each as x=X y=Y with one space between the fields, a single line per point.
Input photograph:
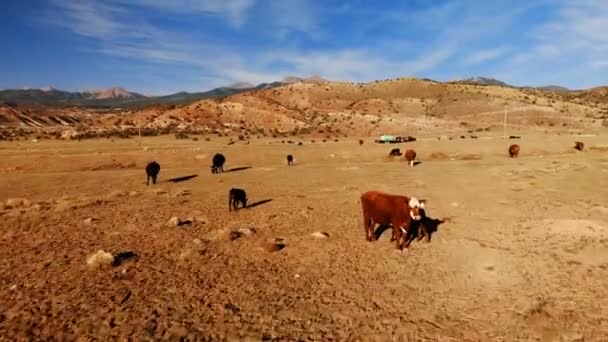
x=236 y=11
x=569 y=48
x=288 y=16
x=482 y=56
x=452 y=35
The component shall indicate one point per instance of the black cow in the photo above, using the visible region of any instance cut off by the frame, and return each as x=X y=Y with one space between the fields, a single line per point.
x=152 y=170
x=289 y=159
x=218 y=163
x=236 y=196
x=395 y=152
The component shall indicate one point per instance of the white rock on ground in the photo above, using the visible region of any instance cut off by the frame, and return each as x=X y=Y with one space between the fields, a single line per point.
x=320 y=235
x=14 y=203
x=100 y=258
x=90 y=220
x=174 y=222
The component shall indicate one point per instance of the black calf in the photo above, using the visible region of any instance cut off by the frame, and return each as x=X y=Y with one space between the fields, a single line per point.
x=218 y=163
x=152 y=170
x=236 y=196
x=289 y=159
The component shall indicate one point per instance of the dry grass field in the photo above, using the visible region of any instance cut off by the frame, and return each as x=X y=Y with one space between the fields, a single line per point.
x=522 y=254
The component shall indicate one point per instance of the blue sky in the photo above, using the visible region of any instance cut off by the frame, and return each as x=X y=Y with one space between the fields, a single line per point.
x=163 y=46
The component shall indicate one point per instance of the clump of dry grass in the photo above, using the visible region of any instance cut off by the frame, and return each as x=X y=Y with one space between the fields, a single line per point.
x=439 y=156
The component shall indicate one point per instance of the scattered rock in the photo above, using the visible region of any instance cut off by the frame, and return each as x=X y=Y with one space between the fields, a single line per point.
x=455 y=204
x=159 y=191
x=274 y=245
x=182 y=193
x=122 y=256
x=200 y=219
x=13 y=288
x=236 y=233
x=320 y=235
x=133 y=193
x=100 y=258
x=90 y=220
x=600 y=210
x=246 y=231
x=174 y=222
x=15 y=203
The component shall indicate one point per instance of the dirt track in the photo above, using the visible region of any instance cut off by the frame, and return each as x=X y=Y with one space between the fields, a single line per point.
x=523 y=254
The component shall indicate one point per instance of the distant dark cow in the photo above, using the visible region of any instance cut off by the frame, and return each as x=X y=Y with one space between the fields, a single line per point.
x=360 y=141
x=386 y=209
x=514 y=150
x=236 y=196
x=579 y=146
x=218 y=163
x=152 y=170
x=410 y=155
x=289 y=159
x=395 y=152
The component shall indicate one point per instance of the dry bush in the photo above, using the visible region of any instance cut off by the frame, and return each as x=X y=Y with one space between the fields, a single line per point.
x=468 y=157
x=439 y=156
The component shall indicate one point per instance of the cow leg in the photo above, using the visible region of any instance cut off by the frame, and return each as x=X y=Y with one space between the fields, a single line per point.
x=397 y=234
x=366 y=228
x=148 y=180
x=372 y=230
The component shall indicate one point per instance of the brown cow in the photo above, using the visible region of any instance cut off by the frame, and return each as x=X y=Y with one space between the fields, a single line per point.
x=513 y=150
x=386 y=209
x=579 y=145
x=410 y=155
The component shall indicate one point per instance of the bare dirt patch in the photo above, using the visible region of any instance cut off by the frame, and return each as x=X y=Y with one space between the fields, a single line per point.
x=520 y=256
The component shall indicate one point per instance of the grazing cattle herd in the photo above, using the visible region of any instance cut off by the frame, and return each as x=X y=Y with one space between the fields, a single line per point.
x=405 y=215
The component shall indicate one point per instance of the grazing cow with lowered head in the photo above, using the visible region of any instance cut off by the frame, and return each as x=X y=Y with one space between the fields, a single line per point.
x=218 y=163
x=152 y=170
x=513 y=151
x=579 y=146
x=395 y=152
x=410 y=155
x=386 y=209
x=236 y=196
x=289 y=159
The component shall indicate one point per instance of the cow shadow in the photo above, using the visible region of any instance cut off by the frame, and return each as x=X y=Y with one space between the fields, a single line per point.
x=258 y=203
x=181 y=179
x=416 y=163
x=235 y=169
x=381 y=229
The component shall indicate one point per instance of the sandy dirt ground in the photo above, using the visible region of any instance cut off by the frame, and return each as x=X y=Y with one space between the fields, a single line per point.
x=522 y=254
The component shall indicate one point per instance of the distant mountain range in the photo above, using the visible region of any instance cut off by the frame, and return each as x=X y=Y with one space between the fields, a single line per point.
x=117 y=97
x=495 y=82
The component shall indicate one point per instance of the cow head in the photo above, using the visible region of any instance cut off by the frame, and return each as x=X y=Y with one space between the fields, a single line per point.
x=415 y=208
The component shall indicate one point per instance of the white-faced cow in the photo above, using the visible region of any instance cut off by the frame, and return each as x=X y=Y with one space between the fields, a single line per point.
x=387 y=209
